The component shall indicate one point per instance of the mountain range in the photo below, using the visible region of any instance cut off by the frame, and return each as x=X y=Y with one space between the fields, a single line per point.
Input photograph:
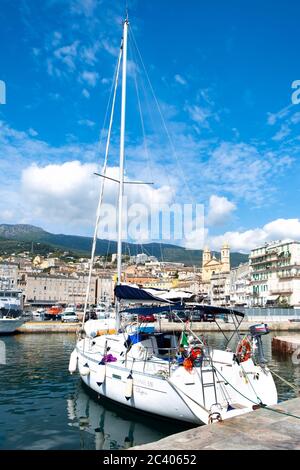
x=20 y=237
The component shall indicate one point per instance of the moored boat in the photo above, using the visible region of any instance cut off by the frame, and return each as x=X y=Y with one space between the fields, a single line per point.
x=172 y=375
x=11 y=318
x=10 y=325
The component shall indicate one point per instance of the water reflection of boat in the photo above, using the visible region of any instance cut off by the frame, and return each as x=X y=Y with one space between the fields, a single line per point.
x=111 y=429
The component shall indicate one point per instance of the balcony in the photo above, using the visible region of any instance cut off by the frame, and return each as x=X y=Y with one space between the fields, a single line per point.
x=274 y=268
x=280 y=291
x=266 y=259
x=289 y=276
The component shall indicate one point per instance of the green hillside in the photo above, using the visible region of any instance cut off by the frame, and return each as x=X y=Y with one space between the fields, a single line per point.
x=18 y=238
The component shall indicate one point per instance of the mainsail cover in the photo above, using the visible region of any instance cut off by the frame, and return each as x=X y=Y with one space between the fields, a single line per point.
x=136 y=293
x=132 y=293
x=126 y=292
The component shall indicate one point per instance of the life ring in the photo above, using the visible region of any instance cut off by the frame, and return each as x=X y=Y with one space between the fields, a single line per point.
x=244 y=350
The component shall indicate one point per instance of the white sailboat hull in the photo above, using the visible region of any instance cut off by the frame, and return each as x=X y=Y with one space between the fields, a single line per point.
x=178 y=394
x=158 y=399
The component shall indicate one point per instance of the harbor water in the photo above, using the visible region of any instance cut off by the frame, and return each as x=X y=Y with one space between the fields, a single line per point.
x=43 y=407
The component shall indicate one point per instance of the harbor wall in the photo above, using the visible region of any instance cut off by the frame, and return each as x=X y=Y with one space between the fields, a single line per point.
x=165 y=326
x=264 y=429
x=286 y=344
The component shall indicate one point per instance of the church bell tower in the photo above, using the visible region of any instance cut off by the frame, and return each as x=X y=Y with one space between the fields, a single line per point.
x=225 y=257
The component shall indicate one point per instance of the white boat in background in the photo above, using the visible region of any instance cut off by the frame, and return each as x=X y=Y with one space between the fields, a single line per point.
x=39 y=314
x=11 y=303
x=104 y=311
x=171 y=375
x=10 y=325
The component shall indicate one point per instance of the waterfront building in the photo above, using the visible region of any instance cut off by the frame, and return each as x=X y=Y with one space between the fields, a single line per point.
x=275 y=277
x=104 y=287
x=140 y=279
x=45 y=288
x=9 y=273
x=240 y=285
x=219 y=291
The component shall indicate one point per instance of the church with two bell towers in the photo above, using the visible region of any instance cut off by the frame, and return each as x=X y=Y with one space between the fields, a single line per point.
x=212 y=265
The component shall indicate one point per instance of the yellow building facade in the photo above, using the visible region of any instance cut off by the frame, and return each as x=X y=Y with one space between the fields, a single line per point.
x=212 y=265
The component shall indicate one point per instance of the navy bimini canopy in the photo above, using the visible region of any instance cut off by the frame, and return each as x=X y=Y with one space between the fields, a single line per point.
x=154 y=309
x=210 y=309
x=125 y=292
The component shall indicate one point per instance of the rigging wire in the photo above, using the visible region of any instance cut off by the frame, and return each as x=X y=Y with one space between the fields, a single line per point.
x=263 y=406
x=145 y=144
x=161 y=115
x=135 y=59
x=171 y=143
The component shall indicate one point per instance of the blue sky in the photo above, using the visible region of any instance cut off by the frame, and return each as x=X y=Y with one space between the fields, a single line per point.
x=222 y=74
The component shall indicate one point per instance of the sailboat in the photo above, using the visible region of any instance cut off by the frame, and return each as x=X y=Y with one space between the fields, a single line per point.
x=172 y=375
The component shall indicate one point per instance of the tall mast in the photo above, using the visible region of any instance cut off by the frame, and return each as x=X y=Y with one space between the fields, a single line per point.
x=121 y=177
x=92 y=259
x=122 y=145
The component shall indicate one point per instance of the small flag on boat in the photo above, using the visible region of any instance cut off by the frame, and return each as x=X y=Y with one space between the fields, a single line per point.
x=184 y=339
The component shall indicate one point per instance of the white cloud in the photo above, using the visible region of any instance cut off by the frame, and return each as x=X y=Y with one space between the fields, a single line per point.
x=89 y=53
x=279 y=229
x=179 y=79
x=219 y=211
x=284 y=131
x=56 y=38
x=109 y=48
x=86 y=122
x=295 y=119
x=286 y=119
x=283 y=228
x=32 y=132
x=84 y=7
x=67 y=55
x=66 y=195
x=244 y=171
x=90 y=78
x=198 y=114
x=36 y=52
x=273 y=118
x=85 y=93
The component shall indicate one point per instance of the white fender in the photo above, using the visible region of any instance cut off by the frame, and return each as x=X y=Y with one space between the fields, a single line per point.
x=84 y=370
x=101 y=373
x=73 y=362
x=129 y=387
